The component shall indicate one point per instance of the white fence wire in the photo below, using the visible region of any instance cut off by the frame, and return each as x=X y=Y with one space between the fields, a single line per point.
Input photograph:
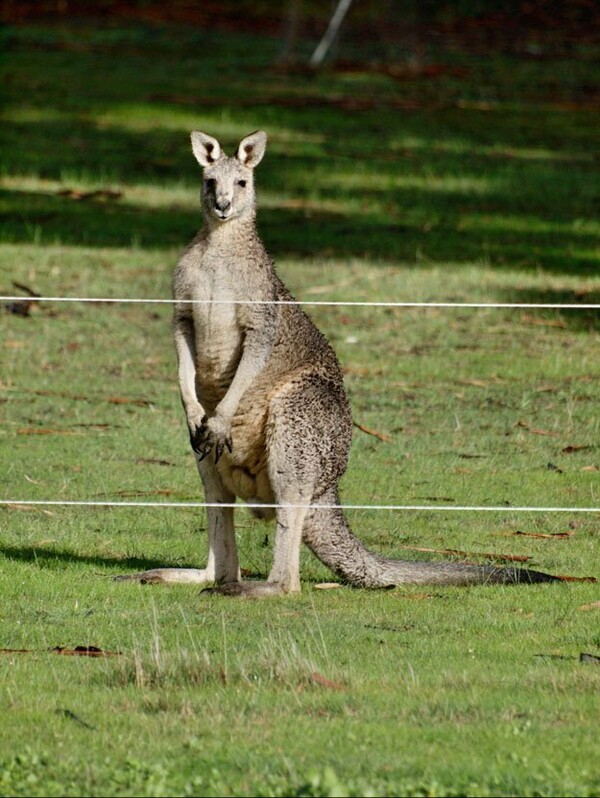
x=504 y=508
x=308 y=302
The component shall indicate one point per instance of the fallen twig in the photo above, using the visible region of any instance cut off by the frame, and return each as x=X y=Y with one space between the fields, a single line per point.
x=380 y=435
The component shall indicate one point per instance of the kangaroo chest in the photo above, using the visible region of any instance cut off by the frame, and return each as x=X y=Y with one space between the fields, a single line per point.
x=218 y=331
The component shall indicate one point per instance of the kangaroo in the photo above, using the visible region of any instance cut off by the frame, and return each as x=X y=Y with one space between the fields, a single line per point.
x=268 y=417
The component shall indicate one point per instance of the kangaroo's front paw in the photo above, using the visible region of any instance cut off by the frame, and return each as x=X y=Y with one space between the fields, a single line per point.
x=213 y=433
x=198 y=437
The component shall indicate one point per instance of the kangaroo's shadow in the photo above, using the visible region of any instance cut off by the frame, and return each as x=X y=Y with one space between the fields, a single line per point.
x=48 y=557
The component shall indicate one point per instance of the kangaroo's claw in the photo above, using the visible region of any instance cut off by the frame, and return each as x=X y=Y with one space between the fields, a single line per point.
x=221 y=446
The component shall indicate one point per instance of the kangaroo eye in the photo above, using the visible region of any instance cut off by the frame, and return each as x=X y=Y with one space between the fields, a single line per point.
x=242 y=183
x=210 y=183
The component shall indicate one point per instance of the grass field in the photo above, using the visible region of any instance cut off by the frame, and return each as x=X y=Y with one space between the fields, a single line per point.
x=478 y=184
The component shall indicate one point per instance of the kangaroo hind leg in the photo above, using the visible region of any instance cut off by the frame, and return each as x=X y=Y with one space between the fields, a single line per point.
x=293 y=495
x=222 y=565
x=307 y=440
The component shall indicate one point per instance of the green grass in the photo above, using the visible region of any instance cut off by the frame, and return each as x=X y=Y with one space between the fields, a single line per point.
x=481 y=189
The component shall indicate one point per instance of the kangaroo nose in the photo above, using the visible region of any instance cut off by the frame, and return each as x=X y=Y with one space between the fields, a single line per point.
x=223 y=205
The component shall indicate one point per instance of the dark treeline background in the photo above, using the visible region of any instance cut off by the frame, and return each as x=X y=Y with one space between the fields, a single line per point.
x=388 y=31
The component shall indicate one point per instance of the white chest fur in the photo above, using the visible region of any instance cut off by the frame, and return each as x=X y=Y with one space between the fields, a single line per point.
x=218 y=332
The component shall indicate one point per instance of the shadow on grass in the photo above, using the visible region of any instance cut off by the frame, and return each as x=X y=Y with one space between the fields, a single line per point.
x=339 y=174
x=74 y=147
x=29 y=217
x=581 y=319
x=37 y=217
x=50 y=558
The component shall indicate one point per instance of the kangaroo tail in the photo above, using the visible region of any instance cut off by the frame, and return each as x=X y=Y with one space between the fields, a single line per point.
x=328 y=536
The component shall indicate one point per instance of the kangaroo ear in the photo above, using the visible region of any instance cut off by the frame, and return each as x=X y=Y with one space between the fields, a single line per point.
x=252 y=148
x=206 y=149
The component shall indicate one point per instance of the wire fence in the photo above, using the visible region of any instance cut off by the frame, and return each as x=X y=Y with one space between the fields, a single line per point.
x=262 y=506
x=325 y=303
x=309 y=302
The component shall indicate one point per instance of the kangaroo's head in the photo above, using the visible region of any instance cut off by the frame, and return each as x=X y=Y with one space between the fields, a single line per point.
x=228 y=186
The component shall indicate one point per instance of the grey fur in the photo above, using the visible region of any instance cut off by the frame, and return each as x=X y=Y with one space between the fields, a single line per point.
x=267 y=413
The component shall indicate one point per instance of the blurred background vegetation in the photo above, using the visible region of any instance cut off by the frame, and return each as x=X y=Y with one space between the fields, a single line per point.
x=385 y=30
x=449 y=131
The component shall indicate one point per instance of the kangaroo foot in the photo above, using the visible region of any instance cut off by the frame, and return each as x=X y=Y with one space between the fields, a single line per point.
x=169 y=576
x=248 y=590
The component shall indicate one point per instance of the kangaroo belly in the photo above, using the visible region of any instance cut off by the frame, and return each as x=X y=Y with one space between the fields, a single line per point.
x=245 y=469
x=218 y=351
